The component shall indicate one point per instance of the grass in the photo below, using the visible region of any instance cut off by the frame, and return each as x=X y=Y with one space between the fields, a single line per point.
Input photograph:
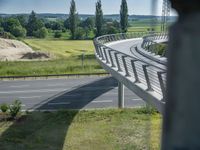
x=129 y=129
x=62 y=48
x=60 y=66
x=67 y=59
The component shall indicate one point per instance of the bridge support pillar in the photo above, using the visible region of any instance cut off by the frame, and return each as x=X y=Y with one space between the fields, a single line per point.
x=120 y=95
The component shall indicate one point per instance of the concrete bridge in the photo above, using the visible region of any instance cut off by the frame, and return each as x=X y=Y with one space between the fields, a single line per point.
x=145 y=74
x=129 y=59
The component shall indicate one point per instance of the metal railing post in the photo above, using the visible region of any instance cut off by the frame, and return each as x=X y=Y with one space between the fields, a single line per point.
x=117 y=61
x=135 y=71
x=101 y=51
x=125 y=66
x=111 y=59
x=162 y=85
x=149 y=87
x=106 y=56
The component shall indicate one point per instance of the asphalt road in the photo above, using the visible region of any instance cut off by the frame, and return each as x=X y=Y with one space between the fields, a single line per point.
x=124 y=46
x=73 y=93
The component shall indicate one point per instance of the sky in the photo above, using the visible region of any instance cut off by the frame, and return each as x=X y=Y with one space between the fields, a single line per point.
x=138 y=7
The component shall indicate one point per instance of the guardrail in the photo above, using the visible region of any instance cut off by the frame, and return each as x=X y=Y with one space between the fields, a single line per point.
x=52 y=75
x=151 y=41
x=146 y=80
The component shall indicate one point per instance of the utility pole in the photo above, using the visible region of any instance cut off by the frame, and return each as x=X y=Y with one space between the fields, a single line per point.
x=165 y=15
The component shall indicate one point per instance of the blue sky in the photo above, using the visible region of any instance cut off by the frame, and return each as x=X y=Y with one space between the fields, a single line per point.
x=83 y=6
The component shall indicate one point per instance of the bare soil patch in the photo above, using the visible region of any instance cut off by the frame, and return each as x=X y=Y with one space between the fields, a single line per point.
x=13 y=50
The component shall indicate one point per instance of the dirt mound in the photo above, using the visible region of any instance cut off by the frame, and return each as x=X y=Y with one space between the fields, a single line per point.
x=13 y=50
x=35 y=55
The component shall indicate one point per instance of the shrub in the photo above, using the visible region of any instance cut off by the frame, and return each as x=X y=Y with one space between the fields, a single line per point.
x=41 y=33
x=4 y=108
x=79 y=35
x=57 y=34
x=6 y=35
x=1 y=30
x=19 y=31
x=15 y=108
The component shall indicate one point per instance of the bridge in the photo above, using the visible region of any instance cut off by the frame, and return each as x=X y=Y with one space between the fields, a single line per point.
x=129 y=58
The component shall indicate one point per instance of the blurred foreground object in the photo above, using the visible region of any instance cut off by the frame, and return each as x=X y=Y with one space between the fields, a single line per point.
x=181 y=128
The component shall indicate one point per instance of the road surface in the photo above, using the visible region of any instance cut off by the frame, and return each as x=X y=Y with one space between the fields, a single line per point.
x=125 y=46
x=72 y=93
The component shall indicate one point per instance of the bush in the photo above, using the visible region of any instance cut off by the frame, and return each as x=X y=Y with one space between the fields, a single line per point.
x=15 y=108
x=18 y=31
x=1 y=30
x=6 y=35
x=57 y=34
x=4 y=108
x=41 y=33
x=79 y=34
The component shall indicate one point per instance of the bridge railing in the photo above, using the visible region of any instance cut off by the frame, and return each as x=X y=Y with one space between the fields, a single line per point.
x=151 y=41
x=151 y=78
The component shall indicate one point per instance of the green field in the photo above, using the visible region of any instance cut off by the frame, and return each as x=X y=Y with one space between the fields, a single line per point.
x=62 y=48
x=129 y=129
x=67 y=59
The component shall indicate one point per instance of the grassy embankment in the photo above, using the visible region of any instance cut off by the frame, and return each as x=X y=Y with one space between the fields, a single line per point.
x=67 y=59
x=130 y=129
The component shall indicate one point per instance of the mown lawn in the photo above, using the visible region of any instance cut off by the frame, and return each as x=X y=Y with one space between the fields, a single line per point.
x=62 y=48
x=130 y=129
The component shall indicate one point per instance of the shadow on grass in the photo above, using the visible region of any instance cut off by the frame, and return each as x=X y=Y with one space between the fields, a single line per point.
x=48 y=130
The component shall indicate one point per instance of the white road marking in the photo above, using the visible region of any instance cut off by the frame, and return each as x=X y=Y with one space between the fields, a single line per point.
x=30 y=97
x=19 y=86
x=22 y=105
x=137 y=99
x=34 y=91
x=103 y=101
x=64 y=103
x=52 y=85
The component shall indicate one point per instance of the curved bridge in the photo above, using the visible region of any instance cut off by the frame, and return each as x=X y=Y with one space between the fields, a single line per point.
x=129 y=58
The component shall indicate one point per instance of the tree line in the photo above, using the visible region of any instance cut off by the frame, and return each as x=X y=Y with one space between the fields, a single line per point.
x=102 y=26
x=33 y=26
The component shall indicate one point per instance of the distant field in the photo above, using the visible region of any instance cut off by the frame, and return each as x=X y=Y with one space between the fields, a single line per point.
x=129 y=129
x=62 y=48
x=143 y=28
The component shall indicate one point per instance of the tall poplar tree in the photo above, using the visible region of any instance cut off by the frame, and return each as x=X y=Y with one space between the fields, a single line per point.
x=124 y=16
x=99 y=18
x=73 y=19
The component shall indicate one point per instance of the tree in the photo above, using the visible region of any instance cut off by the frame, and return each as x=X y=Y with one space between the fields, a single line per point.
x=73 y=19
x=13 y=26
x=124 y=16
x=67 y=24
x=57 y=34
x=18 y=31
x=34 y=24
x=99 y=18
x=23 y=20
x=1 y=22
x=79 y=33
x=41 y=33
x=88 y=23
x=10 y=23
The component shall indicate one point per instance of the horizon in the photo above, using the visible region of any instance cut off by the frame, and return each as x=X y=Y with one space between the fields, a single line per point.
x=142 y=7
x=79 y=14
